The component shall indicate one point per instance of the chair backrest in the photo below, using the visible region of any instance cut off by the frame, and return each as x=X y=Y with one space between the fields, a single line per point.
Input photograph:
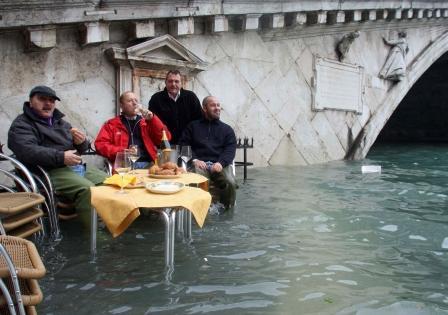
x=23 y=169
x=15 y=282
x=23 y=186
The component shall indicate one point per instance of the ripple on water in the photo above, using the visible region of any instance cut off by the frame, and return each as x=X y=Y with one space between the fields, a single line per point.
x=445 y=242
x=389 y=228
x=88 y=286
x=208 y=308
x=338 y=268
x=120 y=310
x=246 y=255
x=322 y=228
x=404 y=308
x=348 y=282
x=312 y=296
x=417 y=237
x=266 y=288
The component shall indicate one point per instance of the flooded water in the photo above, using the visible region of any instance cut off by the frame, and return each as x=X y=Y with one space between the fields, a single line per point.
x=323 y=239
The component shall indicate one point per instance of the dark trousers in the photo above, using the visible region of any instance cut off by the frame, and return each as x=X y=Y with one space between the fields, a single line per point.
x=225 y=183
x=74 y=187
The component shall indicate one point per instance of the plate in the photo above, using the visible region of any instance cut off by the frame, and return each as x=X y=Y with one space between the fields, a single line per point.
x=165 y=187
x=164 y=176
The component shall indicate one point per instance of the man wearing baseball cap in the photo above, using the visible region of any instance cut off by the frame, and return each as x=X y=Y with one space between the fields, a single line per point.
x=40 y=136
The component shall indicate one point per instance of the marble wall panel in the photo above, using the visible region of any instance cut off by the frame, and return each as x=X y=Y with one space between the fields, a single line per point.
x=305 y=65
x=297 y=101
x=337 y=119
x=295 y=47
x=327 y=135
x=223 y=80
x=246 y=45
x=272 y=92
x=206 y=47
x=260 y=124
x=280 y=56
x=286 y=154
x=254 y=72
x=307 y=141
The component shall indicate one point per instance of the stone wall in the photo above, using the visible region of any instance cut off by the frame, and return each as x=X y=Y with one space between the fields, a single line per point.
x=264 y=78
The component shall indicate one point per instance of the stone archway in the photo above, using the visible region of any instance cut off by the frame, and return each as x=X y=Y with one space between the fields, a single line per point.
x=378 y=119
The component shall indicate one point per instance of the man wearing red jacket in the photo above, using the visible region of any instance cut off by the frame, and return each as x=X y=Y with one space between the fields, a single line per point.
x=135 y=126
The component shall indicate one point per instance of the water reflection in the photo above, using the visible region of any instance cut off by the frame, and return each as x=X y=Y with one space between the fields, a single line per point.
x=321 y=239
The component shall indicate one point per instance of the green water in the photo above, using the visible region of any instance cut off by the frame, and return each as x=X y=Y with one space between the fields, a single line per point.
x=321 y=239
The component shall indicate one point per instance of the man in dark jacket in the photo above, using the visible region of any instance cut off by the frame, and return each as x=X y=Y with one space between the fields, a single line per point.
x=175 y=106
x=214 y=145
x=40 y=136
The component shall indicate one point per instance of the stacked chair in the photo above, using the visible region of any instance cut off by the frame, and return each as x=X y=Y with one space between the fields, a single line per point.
x=25 y=181
x=20 y=267
x=20 y=213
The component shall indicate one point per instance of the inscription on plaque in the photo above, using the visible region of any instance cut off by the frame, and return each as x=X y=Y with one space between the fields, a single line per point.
x=337 y=85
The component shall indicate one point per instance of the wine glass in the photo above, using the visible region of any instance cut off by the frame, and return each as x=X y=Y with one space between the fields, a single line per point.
x=134 y=154
x=177 y=149
x=185 y=155
x=122 y=166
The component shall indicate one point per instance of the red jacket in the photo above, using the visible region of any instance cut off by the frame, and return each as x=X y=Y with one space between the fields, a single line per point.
x=114 y=137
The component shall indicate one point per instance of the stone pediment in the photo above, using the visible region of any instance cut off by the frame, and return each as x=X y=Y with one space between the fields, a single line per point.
x=158 y=53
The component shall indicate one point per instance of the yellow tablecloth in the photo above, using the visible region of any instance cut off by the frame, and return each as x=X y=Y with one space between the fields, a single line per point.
x=118 y=211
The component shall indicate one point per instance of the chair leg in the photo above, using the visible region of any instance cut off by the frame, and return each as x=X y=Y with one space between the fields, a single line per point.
x=93 y=227
x=8 y=298
x=14 y=278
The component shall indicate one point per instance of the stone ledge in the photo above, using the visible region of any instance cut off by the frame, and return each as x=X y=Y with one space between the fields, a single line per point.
x=96 y=30
x=15 y=14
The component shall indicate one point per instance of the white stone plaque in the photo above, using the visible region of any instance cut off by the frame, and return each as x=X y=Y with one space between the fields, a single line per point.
x=337 y=85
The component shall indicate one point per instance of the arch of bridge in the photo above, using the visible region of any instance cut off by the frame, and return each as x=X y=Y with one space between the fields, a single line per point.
x=379 y=118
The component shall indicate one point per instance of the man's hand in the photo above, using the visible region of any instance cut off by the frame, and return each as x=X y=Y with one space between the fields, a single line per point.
x=78 y=136
x=146 y=114
x=200 y=164
x=216 y=167
x=71 y=158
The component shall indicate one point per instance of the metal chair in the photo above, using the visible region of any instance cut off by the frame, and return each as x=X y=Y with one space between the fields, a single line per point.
x=15 y=281
x=38 y=182
x=25 y=266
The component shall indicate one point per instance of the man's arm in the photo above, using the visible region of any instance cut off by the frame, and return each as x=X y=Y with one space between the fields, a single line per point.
x=80 y=141
x=228 y=154
x=197 y=109
x=105 y=144
x=153 y=104
x=24 y=142
x=154 y=129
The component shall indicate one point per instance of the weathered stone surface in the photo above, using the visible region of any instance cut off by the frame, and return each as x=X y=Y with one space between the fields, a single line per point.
x=263 y=82
x=179 y=27
x=143 y=29
x=219 y=23
x=301 y=18
x=252 y=22
x=94 y=33
x=40 y=38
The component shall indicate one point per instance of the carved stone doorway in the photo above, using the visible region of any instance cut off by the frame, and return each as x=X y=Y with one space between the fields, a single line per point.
x=142 y=68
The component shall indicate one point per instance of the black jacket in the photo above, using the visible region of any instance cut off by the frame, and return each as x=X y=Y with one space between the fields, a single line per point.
x=176 y=115
x=34 y=142
x=212 y=141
